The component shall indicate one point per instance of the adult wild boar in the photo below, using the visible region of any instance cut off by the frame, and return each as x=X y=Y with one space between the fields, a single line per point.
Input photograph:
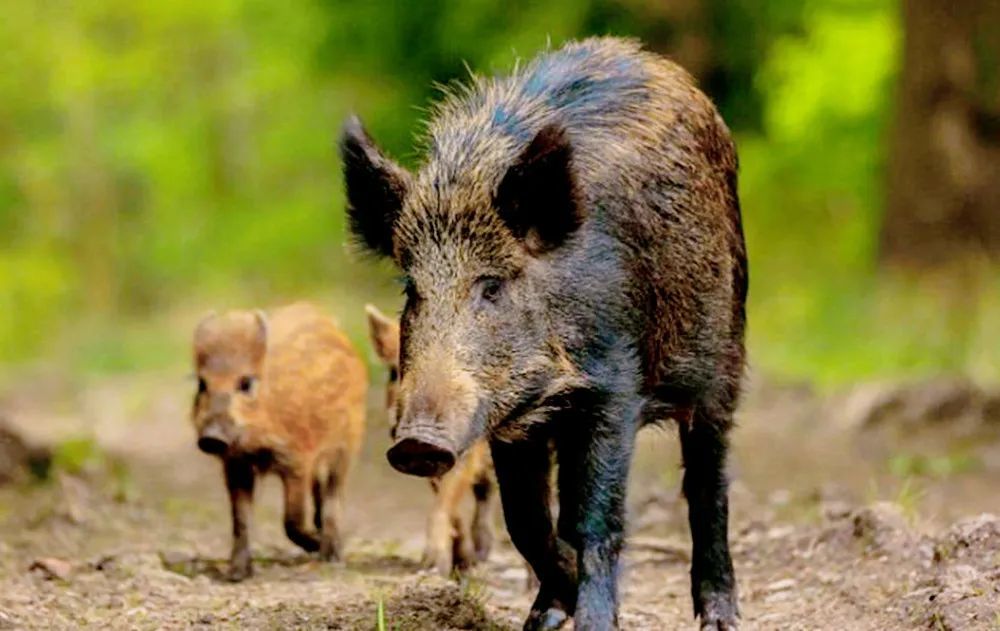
x=575 y=268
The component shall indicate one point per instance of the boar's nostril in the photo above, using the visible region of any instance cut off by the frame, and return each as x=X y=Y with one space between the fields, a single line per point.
x=421 y=457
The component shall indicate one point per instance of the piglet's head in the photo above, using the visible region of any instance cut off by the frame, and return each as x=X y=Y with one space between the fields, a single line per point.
x=230 y=351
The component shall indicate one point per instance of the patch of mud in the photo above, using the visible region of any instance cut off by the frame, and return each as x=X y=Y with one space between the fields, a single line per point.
x=446 y=607
x=962 y=589
x=813 y=547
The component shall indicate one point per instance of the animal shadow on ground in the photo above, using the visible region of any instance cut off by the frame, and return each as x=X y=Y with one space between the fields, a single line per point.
x=192 y=565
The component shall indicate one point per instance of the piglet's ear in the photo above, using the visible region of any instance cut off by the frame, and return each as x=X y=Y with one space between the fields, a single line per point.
x=384 y=333
x=202 y=337
x=260 y=343
x=538 y=197
x=375 y=185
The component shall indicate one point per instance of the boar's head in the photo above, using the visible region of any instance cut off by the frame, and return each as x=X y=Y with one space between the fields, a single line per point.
x=229 y=356
x=474 y=245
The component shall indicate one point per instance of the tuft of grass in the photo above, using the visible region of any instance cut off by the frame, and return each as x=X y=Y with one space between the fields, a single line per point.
x=380 y=615
x=906 y=465
x=908 y=497
x=840 y=328
x=78 y=455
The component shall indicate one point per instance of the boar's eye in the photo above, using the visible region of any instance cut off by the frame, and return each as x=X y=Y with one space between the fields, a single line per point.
x=202 y=386
x=393 y=374
x=490 y=288
x=245 y=384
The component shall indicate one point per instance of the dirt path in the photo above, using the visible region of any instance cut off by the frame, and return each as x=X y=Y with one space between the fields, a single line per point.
x=144 y=550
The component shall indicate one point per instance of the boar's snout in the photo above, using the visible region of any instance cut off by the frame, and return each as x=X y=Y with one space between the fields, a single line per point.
x=216 y=437
x=425 y=454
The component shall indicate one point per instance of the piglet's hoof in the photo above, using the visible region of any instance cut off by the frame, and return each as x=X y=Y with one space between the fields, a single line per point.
x=238 y=572
x=547 y=620
x=438 y=561
x=329 y=552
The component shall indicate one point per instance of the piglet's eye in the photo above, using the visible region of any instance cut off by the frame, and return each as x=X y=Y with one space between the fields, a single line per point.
x=245 y=384
x=490 y=288
x=202 y=386
x=393 y=374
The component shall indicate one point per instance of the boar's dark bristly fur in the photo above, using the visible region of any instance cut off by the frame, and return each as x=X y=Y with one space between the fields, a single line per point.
x=575 y=268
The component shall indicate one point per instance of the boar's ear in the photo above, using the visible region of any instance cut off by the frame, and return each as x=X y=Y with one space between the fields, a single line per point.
x=375 y=188
x=384 y=333
x=538 y=197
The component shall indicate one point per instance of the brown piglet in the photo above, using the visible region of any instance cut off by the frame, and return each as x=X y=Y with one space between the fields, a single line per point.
x=282 y=393
x=453 y=543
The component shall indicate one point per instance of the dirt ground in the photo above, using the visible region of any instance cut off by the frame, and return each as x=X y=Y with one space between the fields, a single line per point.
x=843 y=517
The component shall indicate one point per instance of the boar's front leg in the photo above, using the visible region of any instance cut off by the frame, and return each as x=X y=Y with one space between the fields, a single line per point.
x=297 y=487
x=713 y=587
x=595 y=452
x=240 y=483
x=522 y=470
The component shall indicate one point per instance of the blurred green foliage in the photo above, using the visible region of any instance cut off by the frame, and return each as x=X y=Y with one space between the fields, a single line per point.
x=169 y=157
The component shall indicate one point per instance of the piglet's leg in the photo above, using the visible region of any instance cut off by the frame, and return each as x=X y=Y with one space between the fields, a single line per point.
x=240 y=483
x=328 y=516
x=482 y=520
x=445 y=530
x=297 y=487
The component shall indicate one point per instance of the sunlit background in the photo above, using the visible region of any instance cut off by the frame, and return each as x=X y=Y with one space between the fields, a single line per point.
x=165 y=158
x=158 y=159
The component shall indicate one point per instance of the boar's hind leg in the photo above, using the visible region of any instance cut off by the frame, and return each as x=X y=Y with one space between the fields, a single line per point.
x=704 y=445
x=240 y=482
x=594 y=459
x=327 y=506
x=522 y=470
x=297 y=486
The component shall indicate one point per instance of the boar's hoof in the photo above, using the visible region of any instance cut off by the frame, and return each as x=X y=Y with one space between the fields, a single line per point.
x=719 y=625
x=551 y=618
x=720 y=613
x=419 y=456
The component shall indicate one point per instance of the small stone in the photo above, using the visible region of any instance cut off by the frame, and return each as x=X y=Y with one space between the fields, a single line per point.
x=780 y=497
x=513 y=574
x=780 y=586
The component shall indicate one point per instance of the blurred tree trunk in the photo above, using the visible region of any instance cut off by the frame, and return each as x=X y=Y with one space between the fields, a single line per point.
x=943 y=197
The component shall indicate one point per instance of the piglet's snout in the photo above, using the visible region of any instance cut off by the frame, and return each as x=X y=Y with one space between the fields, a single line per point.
x=216 y=436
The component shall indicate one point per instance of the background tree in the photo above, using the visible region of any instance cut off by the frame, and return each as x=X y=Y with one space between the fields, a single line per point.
x=943 y=200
